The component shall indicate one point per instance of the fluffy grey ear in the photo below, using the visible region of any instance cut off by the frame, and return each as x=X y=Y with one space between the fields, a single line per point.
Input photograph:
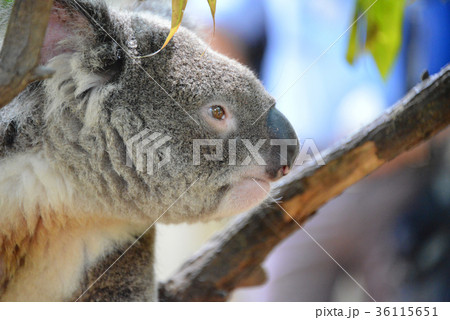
x=81 y=26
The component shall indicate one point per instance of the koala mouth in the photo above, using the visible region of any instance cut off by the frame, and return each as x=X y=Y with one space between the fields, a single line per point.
x=243 y=195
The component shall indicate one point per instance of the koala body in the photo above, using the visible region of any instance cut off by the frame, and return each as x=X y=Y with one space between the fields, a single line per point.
x=70 y=203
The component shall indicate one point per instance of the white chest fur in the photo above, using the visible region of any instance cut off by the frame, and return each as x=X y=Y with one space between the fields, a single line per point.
x=46 y=244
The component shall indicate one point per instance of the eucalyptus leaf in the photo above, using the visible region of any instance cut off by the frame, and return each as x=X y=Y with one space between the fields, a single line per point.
x=178 y=7
x=212 y=6
x=378 y=32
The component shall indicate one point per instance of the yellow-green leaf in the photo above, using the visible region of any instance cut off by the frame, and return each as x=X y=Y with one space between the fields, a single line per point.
x=383 y=32
x=178 y=7
x=212 y=6
x=353 y=45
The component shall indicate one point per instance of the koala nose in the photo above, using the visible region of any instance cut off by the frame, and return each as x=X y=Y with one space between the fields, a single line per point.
x=284 y=144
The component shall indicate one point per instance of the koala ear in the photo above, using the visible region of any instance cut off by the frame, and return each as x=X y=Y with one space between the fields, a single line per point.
x=81 y=26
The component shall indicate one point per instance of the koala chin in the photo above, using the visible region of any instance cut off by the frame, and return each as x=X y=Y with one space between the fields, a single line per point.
x=79 y=152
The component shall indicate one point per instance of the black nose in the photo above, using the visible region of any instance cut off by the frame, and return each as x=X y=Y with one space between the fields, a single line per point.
x=284 y=144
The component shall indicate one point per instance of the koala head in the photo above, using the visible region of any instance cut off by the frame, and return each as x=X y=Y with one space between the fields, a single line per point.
x=185 y=133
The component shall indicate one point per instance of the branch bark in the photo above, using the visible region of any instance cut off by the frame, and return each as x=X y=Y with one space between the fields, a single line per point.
x=19 y=58
x=232 y=258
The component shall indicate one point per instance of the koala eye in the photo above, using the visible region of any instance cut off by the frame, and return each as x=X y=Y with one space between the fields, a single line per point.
x=217 y=112
x=219 y=117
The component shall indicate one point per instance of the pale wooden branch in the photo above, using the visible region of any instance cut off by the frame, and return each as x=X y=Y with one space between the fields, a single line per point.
x=19 y=58
x=232 y=258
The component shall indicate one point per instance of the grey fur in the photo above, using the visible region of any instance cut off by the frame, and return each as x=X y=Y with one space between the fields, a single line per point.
x=94 y=156
x=100 y=97
x=131 y=278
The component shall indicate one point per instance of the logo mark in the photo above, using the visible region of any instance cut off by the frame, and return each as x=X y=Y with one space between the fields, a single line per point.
x=145 y=151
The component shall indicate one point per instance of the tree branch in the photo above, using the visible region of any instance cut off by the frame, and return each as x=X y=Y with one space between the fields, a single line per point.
x=19 y=57
x=232 y=258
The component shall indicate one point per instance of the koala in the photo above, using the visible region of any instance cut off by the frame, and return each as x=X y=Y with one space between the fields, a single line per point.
x=76 y=215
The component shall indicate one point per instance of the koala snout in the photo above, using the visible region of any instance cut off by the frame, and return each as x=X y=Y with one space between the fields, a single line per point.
x=284 y=145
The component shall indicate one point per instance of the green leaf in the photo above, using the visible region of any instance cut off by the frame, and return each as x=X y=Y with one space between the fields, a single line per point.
x=353 y=46
x=212 y=6
x=178 y=7
x=383 y=32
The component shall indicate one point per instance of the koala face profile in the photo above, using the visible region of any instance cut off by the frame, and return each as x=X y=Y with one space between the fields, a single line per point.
x=102 y=96
x=65 y=142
